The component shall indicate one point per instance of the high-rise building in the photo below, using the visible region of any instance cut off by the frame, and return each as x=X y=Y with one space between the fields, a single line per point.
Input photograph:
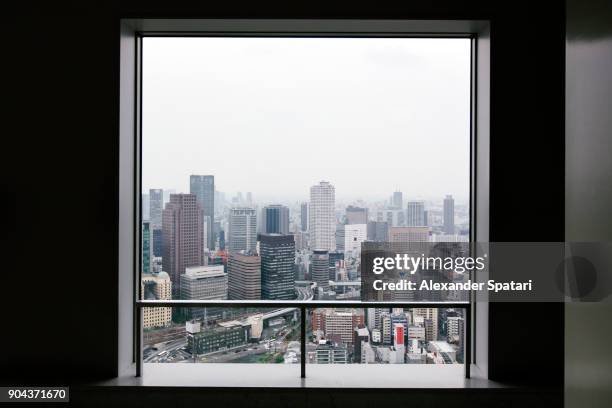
x=242 y=229
x=393 y=217
x=408 y=234
x=203 y=187
x=338 y=323
x=156 y=206
x=398 y=200
x=449 y=215
x=244 y=276
x=378 y=231
x=156 y=286
x=321 y=217
x=182 y=236
x=354 y=235
x=430 y=316
x=275 y=219
x=204 y=283
x=146 y=207
x=415 y=214
x=277 y=253
x=356 y=215
x=304 y=216
x=147 y=255
x=157 y=239
x=320 y=269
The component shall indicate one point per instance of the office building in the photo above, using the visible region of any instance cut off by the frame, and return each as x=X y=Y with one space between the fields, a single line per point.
x=147 y=254
x=354 y=235
x=449 y=215
x=156 y=206
x=203 y=187
x=415 y=214
x=275 y=219
x=304 y=216
x=408 y=234
x=320 y=269
x=182 y=236
x=356 y=215
x=430 y=318
x=397 y=201
x=204 y=283
x=156 y=287
x=328 y=352
x=146 y=207
x=277 y=253
x=393 y=217
x=338 y=323
x=242 y=230
x=378 y=231
x=321 y=217
x=203 y=341
x=244 y=276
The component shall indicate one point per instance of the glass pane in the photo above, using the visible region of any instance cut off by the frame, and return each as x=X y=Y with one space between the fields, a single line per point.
x=221 y=335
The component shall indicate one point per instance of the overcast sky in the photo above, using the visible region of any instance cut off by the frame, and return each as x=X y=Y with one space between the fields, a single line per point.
x=276 y=115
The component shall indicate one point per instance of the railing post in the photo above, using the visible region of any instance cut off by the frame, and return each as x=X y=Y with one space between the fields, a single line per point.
x=303 y=341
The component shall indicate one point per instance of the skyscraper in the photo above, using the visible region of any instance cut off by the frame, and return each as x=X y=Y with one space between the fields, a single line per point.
x=320 y=269
x=147 y=238
x=242 y=230
x=275 y=219
x=321 y=217
x=354 y=235
x=277 y=253
x=204 y=189
x=449 y=215
x=244 y=276
x=356 y=215
x=156 y=206
x=398 y=200
x=182 y=236
x=415 y=214
x=304 y=216
x=378 y=231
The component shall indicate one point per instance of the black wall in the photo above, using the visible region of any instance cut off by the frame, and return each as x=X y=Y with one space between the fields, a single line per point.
x=60 y=178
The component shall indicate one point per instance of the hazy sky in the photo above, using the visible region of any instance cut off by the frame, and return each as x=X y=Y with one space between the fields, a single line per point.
x=276 y=115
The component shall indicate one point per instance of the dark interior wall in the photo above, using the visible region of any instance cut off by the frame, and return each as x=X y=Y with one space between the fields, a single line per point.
x=60 y=144
x=588 y=328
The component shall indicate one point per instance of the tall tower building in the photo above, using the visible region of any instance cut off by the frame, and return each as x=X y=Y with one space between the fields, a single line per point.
x=275 y=219
x=320 y=269
x=156 y=206
x=449 y=215
x=242 y=230
x=398 y=200
x=244 y=276
x=203 y=187
x=321 y=217
x=277 y=253
x=415 y=214
x=356 y=215
x=147 y=247
x=304 y=216
x=354 y=235
x=182 y=237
